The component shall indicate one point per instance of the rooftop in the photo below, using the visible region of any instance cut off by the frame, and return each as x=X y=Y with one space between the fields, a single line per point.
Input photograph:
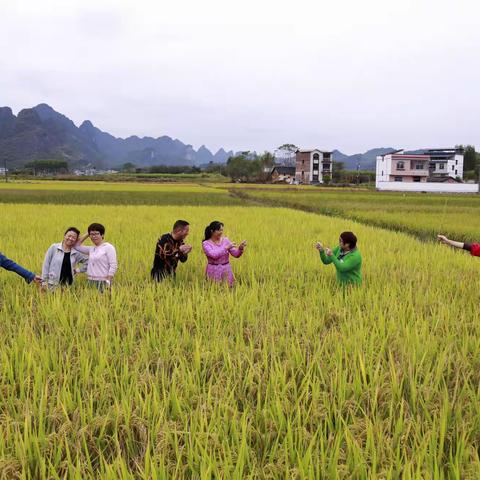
x=309 y=150
x=284 y=170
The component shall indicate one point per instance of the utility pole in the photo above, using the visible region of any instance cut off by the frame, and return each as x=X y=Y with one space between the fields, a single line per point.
x=5 y=165
x=478 y=178
x=358 y=173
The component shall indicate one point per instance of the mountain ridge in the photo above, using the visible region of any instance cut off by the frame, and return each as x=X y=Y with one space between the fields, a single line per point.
x=41 y=132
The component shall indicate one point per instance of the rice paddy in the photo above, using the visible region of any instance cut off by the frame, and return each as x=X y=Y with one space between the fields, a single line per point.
x=285 y=376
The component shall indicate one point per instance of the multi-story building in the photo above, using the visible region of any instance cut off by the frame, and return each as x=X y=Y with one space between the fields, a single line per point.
x=427 y=166
x=446 y=162
x=433 y=168
x=311 y=166
x=401 y=167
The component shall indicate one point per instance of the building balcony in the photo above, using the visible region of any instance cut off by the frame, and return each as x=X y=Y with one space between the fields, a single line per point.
x=411 y=171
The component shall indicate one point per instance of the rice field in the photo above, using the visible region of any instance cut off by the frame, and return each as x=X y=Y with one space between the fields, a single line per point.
x=102 y=193
x=419 y=214
x=284 y=376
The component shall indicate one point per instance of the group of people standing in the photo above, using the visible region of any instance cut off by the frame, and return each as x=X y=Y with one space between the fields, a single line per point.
x=171 y=249
x=64 y=260
x=68 y=258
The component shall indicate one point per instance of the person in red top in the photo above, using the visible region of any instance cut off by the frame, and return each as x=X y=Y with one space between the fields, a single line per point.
x=473 y=248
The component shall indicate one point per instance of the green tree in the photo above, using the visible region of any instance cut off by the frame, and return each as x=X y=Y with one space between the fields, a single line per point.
x=267 y=161
x=290 y=147
x=239 y=168
x=289 y=156
x=469 y=158
x=129 y=167
x=47 y=166
x=338 y=172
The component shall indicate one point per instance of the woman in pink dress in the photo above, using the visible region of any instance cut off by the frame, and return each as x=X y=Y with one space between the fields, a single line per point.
x=218 y=249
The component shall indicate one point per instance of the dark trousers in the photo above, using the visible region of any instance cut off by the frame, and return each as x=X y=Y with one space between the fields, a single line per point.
x=160 y=274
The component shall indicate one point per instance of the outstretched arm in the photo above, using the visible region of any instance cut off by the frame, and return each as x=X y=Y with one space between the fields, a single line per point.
x=10 y=265
x=473 y=248
x=452 y=243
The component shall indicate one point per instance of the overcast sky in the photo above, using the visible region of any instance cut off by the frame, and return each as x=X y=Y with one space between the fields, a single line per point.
x=253 y=74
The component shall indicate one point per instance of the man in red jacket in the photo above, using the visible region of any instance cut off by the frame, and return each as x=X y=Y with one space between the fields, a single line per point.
x=473 y=248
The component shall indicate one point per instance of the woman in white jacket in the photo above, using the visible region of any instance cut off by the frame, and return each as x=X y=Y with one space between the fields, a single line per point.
x=62 y=262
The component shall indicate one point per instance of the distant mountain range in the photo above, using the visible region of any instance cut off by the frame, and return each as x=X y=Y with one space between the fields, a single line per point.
x=367 y=160
x=43 y=133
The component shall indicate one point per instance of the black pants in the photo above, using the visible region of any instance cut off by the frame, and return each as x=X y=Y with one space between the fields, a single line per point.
x=158 y=275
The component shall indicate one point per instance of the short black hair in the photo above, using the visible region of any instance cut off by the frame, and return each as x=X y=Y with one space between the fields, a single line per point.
x=96 y=227
x=72 y=229
x=350 y=238
x=180 y=224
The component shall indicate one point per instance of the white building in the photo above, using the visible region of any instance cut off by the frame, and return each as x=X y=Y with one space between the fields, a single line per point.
x=433 y=170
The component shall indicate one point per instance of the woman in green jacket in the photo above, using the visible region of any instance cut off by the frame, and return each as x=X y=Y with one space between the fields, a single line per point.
x=346 y=258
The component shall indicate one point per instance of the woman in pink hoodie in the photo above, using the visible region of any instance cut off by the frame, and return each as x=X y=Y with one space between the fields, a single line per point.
x=218 y=249
x=102 y=257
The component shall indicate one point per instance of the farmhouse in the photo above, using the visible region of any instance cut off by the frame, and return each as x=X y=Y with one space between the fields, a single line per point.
x=312 y=166
x=433 y=170
x=281 y=174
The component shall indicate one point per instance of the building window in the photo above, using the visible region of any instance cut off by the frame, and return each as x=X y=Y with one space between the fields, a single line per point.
x=419 y=166
x=441 y=166
x=399 y=179
x=382 y=173
x=456 y=172
x=456 y=162
x=316 y=157
x=416 y=179
x=315 y=172
x=400 y=166
x=453 y=167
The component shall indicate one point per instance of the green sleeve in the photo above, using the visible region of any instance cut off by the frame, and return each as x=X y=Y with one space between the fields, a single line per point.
x=349 y=263
x=323 y=257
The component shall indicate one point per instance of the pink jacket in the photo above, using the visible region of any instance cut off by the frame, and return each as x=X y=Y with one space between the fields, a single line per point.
x=102 y=260
x=218 y=254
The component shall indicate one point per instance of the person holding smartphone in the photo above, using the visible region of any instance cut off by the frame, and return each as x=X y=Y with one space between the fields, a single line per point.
x=345 y=257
